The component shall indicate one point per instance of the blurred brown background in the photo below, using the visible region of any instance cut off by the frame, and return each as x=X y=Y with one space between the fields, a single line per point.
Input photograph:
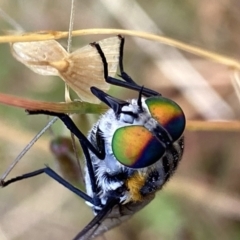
x=202 y=199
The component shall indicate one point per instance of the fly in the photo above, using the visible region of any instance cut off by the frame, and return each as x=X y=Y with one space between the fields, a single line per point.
x=130 y=153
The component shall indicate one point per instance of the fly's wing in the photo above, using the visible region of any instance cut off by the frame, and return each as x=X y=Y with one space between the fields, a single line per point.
x=114 y=217
x=84 y=68
x=37 y=55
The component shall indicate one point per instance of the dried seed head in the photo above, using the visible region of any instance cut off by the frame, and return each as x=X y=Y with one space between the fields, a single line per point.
x=80 y=70
x=37 y=55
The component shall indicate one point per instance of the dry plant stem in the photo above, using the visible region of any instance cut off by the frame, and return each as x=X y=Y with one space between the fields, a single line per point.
x=47 y=35
x=72 y=107
x=67 y=89
x=11 y=21
x=83 y=107
x=70 y=29
x=25 y=150
x=69 y=43
x=223 y=126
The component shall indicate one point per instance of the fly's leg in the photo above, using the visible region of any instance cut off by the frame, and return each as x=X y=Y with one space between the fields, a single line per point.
x=47 y=170
x=85 y=144
x=128 y=82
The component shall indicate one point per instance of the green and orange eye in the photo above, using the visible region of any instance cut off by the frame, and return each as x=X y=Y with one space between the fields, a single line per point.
x=136 y=147
x=168 y=114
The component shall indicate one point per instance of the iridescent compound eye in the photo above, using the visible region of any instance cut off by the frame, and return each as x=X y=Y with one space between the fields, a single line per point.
x=168 y=114
x=136 y=147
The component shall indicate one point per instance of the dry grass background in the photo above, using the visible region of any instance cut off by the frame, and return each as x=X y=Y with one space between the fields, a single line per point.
x=202 y=199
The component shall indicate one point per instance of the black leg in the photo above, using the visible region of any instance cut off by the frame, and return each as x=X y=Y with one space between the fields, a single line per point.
x=73 y=128
x=123 y=75
x=128 y=82
x=53 y=175
x=85 y=143
x=146 y=92
x=19 y=178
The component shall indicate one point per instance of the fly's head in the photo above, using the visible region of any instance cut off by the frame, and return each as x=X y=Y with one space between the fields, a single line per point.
x=138 y=133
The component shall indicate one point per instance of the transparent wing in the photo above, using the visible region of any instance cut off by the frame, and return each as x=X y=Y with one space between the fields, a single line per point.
x=114 y=217
x=37 y=55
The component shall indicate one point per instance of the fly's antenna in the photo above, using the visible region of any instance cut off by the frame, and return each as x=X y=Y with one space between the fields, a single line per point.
x=139 y=101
